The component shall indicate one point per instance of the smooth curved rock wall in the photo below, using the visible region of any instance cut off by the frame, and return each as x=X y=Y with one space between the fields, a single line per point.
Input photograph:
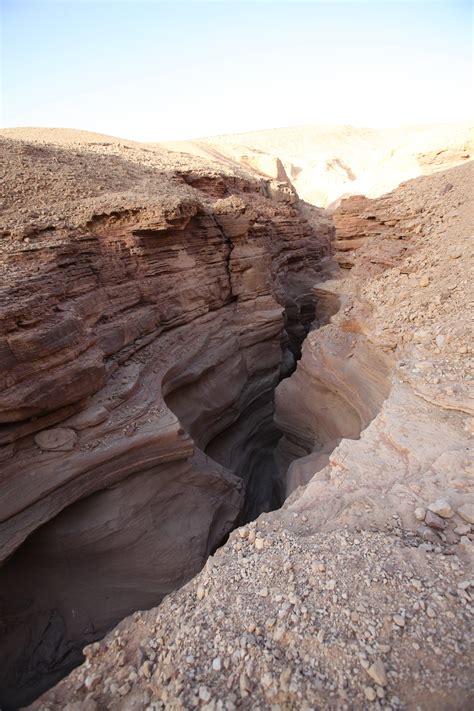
x=132 y=346
x=338 y=387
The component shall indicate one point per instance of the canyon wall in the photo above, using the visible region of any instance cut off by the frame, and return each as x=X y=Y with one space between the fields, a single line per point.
x=358 y=592
x=339 y=386
x=392 y=368
x=140 y=349
x=151 y=306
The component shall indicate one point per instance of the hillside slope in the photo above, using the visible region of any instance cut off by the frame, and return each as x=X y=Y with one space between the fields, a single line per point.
x=327 y=162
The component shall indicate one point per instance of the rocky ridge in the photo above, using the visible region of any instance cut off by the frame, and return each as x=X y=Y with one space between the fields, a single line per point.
x=325 y=162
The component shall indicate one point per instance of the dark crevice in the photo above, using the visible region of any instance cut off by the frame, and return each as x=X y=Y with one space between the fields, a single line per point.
x=248 y=445
x=47 y=642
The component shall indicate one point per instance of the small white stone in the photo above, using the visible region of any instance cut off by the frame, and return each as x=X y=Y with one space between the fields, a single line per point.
x=146 y=669
x=90 y=682
x=377 y=672
x=466 y=511
x=370 y=693
x=420 y=513
x=124 y=689
x=204 y=693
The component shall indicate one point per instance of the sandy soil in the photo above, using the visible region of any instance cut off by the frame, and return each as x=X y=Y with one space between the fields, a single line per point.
x=326 y=162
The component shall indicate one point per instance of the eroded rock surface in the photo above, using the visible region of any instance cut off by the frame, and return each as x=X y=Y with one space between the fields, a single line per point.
x=349 y=596
x=141 y=345
x=168 y=313
x=325 y=162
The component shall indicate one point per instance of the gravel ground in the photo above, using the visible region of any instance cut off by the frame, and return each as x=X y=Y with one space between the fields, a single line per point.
x=286 y=618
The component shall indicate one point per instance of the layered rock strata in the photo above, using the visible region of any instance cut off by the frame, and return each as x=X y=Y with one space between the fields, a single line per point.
x=358 y=592
x=141 y=345
x=405 y=375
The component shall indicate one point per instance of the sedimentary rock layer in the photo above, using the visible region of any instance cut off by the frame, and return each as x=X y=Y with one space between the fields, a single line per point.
x=359 y=590
x=175 y=305
x=338 y=388
x=140 y=349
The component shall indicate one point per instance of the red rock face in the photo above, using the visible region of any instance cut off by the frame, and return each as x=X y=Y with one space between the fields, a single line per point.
x=132 y=346
x=354 y=220
x=357 y=219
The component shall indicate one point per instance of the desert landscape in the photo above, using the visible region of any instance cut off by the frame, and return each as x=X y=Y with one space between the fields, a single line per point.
x=236 y=355
x=253 y=410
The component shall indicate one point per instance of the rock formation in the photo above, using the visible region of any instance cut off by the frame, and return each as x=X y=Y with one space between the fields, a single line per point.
x=141 y=347
x=160 y=389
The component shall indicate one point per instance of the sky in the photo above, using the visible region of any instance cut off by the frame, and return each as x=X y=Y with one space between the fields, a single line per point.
x=153 y=71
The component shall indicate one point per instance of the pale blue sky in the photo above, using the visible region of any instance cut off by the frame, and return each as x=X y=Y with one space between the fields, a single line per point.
x=153 y=70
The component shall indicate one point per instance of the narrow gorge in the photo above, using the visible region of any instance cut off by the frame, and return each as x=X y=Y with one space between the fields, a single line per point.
x=185 y=348
x=141 y=353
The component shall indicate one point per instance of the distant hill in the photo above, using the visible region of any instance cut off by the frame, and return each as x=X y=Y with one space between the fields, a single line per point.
x=327 y=162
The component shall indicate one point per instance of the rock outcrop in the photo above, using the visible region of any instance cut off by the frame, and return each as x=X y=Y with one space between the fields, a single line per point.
x=357 y=592
x=146 y=331
x=406 y=368
x=140 y=349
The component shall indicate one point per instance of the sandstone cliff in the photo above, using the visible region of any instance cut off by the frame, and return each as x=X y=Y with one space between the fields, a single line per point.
x=142 y=337
x=155 y=319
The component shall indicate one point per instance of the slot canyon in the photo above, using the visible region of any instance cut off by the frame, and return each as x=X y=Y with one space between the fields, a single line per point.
x=200 y=371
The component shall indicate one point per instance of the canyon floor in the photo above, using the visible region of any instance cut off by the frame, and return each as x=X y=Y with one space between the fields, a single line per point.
x=256 y=412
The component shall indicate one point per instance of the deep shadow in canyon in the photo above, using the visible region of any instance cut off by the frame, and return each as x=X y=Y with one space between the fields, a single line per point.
x=63 y=589
x=185 y=318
